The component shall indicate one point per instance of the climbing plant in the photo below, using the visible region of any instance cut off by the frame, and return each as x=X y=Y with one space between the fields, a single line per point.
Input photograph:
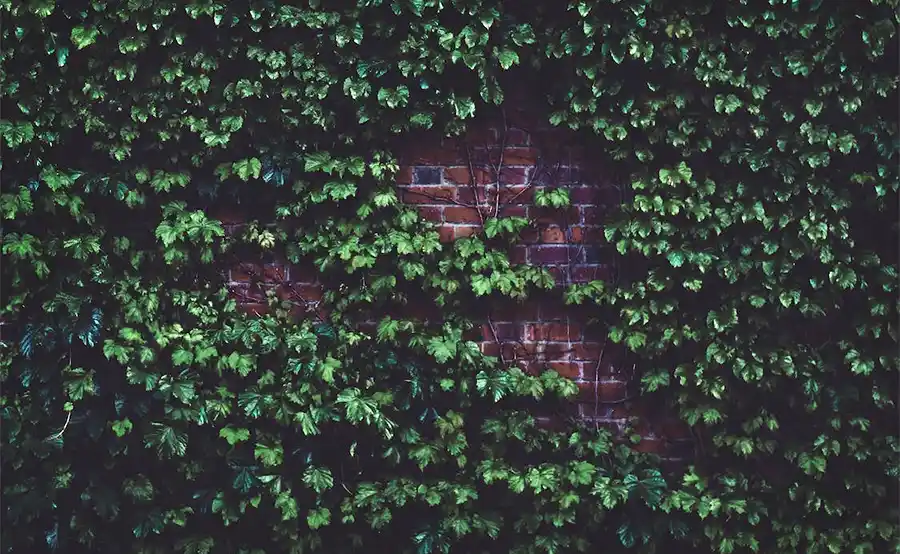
x=143 y=412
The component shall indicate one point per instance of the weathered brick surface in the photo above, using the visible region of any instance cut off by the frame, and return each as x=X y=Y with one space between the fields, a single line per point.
x=457 y=184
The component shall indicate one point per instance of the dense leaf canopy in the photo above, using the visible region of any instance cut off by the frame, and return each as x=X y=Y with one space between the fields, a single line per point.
x=142 y=412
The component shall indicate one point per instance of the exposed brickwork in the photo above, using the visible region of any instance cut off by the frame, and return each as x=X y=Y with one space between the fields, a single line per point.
x=458 y=184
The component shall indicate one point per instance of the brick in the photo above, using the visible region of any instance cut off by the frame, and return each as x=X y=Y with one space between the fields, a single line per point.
x=554 y=332
x=490 y=348
x=592 y=215
x=471 y=195
x=585 y=274
x=518 y=255
x=275 y=273
x=571 y=174
x=513 y=175
x=404 y=176
x=612 y=391
x=427 y=175
x=513 y=211
x=562 y=217
x=462 y=231
x=464 y=175
x=553 y=235
x=435 y=214
x=428 y=194
x=520 y=156
x=569 y=370
x=505 y=331
x=459 y=214
x=529 y=235
x=584 y=195
x=447 y=233
x=587 y=351
x=517 y=194
x=554 y=351
x=550 y=255
x=530 y=367
x=602 y=391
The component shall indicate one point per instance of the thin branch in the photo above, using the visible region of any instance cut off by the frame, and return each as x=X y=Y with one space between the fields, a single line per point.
x=61 y=431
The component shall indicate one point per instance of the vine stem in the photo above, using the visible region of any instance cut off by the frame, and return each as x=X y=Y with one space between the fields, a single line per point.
x=61 y=431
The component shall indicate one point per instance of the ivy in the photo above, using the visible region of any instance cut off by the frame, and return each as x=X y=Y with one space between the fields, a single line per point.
x=142 y=411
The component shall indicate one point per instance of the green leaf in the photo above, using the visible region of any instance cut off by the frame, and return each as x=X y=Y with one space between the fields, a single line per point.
x=246 y=168
x=234 y=435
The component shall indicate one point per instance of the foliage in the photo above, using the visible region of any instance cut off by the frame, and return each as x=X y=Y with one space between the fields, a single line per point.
x=142 y=411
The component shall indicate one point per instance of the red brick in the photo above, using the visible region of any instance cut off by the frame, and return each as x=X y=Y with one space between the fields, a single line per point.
x=553 y=235
x=604 y=391
x=520 y=156
x=428 y=195
x=274 y=273
x=435 y=214
x=519 y=350
x=447 y=233
x=554 y=331
x=584 y=195
x=517 y=194
x=563 y=217
x=404 y=176
x=490 y=349
x=513 y=176
x=518 y=255
x=505 y=331
x=462 y=231
x=592 y=215
x=513 y=211
x=587 y=351
x=529 y=235
x=464 y=175
x=459 y=214
x=550 y=255
x=554 y=351
x=569 y=370
x=529 y=366
x=470 y=195
x=612 y=391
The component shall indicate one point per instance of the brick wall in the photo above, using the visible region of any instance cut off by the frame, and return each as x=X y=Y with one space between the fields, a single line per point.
x=495 y=170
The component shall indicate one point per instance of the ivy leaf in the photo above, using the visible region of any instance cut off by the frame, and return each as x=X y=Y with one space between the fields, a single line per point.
x=246 y=168
x=319 y=479
x=234 y=435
